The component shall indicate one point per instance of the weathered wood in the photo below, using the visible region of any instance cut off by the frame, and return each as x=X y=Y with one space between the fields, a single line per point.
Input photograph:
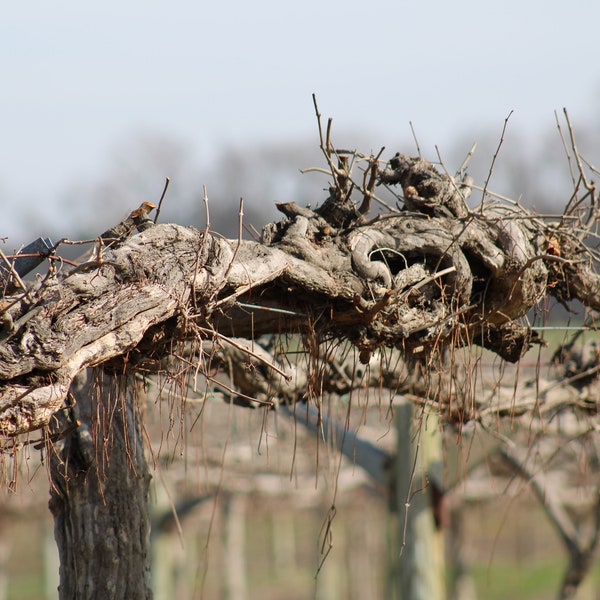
x=418 y=280
x=417 y=556
x=99 y=495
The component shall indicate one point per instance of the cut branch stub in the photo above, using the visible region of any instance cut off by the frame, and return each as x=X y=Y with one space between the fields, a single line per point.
x=425 y=190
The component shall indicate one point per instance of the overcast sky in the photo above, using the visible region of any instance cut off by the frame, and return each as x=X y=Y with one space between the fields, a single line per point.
x=78 y=77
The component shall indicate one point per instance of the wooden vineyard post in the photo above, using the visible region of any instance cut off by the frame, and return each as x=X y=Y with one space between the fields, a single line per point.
x=417 y=552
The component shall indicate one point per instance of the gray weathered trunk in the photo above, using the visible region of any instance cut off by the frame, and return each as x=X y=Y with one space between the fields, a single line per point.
x=433 y=276
x=99 y=494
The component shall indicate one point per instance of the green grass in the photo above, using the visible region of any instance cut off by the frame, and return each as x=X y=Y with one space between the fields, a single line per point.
x=26 y=587
x=500 y=580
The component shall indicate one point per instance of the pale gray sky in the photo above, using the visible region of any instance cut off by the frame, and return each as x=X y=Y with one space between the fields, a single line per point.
x=78 y=77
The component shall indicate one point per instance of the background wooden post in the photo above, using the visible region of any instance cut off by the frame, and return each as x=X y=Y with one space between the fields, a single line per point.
x=417 y=552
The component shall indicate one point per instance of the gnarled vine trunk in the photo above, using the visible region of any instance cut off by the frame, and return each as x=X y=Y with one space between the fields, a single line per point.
x=99 y=493
x=418 y=280
x=433 y=276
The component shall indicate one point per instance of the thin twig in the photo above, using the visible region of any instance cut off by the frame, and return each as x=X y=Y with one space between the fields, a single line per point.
x=590 y=166
x=322 y=143
x=412 y=129
x=228 y=389
x=315 y=170
x=207 y=211
x=252 y=231
x=427 y=280
x=565 y=148
x=162 y=197
x=240 y=228
x=326 y=148
x=271 y=309
x=12 y=270
x=451 y=179
x=485 y=186
x=465 y=162
x=575 y=150
x=590 y=186
x=490 y=193
x=248 y=351
x=246 y=288
x=369 y=186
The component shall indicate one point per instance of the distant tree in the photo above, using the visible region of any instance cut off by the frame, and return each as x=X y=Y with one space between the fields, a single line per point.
x=136 y=170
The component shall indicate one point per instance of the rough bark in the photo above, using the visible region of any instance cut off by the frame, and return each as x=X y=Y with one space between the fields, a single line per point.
x=430 y=276
x=99 y=494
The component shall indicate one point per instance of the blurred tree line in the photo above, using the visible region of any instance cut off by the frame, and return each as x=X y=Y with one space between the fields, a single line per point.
x=530 y=167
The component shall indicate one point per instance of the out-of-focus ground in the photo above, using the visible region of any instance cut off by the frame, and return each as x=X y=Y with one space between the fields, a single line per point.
x=261 y=502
